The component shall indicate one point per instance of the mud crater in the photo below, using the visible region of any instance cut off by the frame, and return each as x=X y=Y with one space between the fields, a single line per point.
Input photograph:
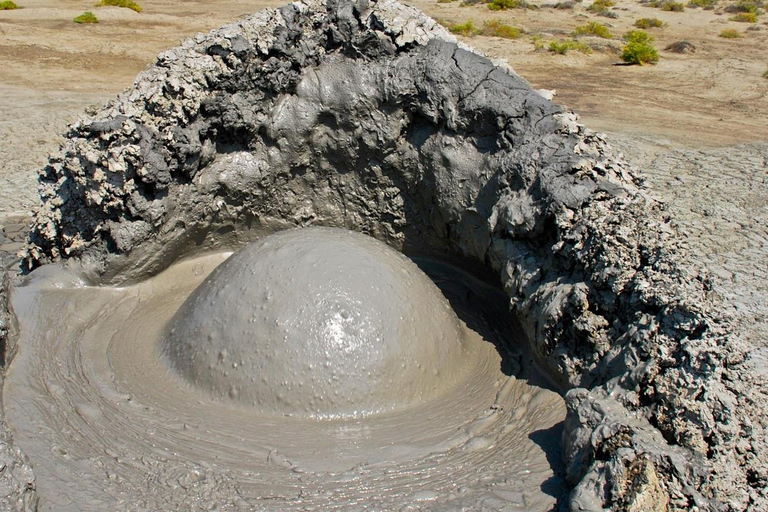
x=369 y=117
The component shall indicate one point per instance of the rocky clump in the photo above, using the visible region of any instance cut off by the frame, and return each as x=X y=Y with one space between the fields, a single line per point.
x=368 y=116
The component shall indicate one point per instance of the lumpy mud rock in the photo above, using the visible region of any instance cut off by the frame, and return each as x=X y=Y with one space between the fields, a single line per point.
x=319 y=322
x=368 y=116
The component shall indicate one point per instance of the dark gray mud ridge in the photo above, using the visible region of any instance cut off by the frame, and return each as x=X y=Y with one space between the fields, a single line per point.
x=368 y=116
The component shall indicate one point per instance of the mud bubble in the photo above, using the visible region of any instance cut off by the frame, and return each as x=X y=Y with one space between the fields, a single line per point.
x=322 y=322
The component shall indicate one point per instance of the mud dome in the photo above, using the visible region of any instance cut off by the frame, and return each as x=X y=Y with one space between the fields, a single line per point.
x=368 y=116
x=319 y=322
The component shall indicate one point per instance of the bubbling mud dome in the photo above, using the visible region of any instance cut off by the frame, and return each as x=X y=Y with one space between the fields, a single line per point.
x=313 y=368
x=578 y=364
x=319 y=322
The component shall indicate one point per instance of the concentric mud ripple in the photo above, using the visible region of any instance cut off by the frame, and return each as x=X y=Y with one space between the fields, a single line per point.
x=109 y=426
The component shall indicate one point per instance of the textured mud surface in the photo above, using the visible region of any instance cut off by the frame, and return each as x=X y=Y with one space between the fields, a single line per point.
x=351 y=116
x=319 y=322
x=108 y=424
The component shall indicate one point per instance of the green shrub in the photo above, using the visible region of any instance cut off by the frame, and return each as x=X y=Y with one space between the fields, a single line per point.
x=730 y=33
x=8 y=5
x=564 y=5
x=496 y=28
x=601 y=6
x=128 y=4
x=745 y=17
x=538 y=42
x=503 y=5
x=646 y=23
x=464 y=29
x=593 y=28
x=446 y=1
x=704 y=4
x=667 y=5
x=671 y=6
x=86 y=17
x=752 y=6
x=563 y=47
x=639 y=48
x=765 y=75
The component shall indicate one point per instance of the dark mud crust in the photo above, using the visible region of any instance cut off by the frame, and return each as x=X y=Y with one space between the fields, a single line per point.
x=367 y=116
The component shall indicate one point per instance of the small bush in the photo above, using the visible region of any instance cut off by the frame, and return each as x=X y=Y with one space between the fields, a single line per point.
x=704 y=4
x=496 y=28
x=639 y=48
x=730 y=33
x=464 y=29
x=667 y=5
x=538 y=42
x=86 y=17
x=8 y=5
x=593 y=28
x=563 y=47
x=752 y=6
x=503 y=5
x=646 y=23
x=745 y=17
x=128 y=4
x=765 y=75
x=564 y=5
x=601 y=6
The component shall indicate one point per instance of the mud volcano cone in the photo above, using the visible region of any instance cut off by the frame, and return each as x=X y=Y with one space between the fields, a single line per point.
x=366 y=116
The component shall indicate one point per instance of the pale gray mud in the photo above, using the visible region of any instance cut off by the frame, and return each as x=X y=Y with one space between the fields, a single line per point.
x=109 y=424
x=368 y=116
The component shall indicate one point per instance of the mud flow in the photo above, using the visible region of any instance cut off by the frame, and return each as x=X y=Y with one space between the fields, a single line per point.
x=315 y=368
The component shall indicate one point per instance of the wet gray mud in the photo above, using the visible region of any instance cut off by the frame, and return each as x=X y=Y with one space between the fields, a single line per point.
x=368 y=117
x=320 y=322
x=110 y=424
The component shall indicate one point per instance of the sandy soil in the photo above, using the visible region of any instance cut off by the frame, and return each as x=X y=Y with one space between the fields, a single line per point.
x=712 y=97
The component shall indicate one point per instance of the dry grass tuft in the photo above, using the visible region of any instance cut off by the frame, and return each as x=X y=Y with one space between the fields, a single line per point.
x=730 y=33
x=128 y=4
x=563 y=47
x=593 y=28
x=86 y=17
x=646 y=23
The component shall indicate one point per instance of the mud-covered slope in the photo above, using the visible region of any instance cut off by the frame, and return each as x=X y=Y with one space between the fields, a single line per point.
x=368 y=116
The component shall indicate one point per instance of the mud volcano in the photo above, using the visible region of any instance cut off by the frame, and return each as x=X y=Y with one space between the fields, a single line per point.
x=133 y=384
